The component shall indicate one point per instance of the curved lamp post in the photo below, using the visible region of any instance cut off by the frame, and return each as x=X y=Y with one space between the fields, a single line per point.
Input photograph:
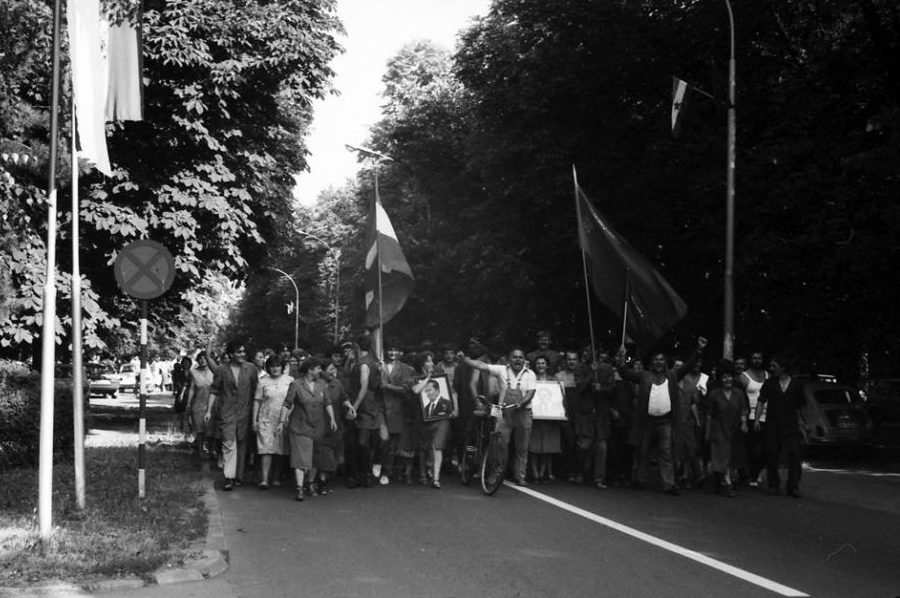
x=336 y=253
x=296 y=307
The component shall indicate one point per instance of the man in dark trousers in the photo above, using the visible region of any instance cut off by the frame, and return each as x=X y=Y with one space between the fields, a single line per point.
x=782 y=397
x=656 y=412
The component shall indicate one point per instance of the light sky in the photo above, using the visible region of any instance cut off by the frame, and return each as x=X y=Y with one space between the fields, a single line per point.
x=376 y=30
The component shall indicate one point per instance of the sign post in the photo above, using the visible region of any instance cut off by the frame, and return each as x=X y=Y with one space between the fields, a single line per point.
x=145 y=270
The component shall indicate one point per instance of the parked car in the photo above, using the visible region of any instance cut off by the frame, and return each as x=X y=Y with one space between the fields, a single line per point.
x=128 y=377
x=835 y=415
x=884 y=404
x=103 y=378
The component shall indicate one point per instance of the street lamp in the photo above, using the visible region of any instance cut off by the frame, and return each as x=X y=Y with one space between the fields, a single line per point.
x=728 y=344
x=296 y=307
x=336 y=253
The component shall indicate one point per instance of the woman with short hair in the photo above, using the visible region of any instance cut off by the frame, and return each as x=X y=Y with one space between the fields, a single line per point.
x=306 y=411
x=270 y=395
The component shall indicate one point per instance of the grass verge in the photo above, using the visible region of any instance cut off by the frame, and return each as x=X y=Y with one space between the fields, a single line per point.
x=117 y=534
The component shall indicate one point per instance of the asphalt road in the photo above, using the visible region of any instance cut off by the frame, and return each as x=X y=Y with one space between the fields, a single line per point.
x=841 y=539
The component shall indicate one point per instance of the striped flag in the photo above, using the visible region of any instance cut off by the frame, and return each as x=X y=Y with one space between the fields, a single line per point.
x=396 y=277
x=680 y=89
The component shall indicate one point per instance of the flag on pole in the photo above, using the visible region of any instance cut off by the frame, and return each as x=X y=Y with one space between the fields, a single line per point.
x=125 y=90
x=396 y=277
x=106 y=75
x=680 y=89
x=620 y=273
x=88 y=82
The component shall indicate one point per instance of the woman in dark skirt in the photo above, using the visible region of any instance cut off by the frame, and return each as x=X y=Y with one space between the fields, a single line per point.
x=310 y=411
x=434 y=433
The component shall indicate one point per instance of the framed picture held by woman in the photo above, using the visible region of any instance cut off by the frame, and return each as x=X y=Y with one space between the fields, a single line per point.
x=434 y=399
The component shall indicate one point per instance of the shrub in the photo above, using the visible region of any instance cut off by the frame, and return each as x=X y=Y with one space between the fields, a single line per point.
x=20 y=417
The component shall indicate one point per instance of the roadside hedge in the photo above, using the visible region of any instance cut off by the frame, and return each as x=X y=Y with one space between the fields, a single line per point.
x=20 y=417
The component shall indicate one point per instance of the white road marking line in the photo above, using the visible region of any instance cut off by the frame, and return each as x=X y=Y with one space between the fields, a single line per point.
x=871 y=474
x=687 y=553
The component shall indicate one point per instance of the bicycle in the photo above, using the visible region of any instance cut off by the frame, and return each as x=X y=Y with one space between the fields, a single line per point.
x=485 y=450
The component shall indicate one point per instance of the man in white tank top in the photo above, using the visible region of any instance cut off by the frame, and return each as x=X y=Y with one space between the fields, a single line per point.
x=752 y=380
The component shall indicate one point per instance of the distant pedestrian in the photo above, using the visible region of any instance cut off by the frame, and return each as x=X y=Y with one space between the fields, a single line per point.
x=199 y=382
x=782 y=397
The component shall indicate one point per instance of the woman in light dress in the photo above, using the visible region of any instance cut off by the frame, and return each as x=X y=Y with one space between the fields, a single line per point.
x=270 y=394
x=201 y=378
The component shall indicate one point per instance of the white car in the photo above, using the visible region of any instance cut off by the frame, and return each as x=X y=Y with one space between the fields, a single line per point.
x=128 y=379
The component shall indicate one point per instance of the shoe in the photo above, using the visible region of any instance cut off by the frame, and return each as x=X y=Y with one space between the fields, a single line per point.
x=579 y=479
x=550 y=478
x=229 y=485
x=314 y=490
x=263 y=485
x=238 y=483
x=600 y=484
x=376 y=470
x=277 y=484
x=794 y=492
x=423 y=480
x=384 y=481
x=754 y=484
x=673 y=491
x=521 y=482
x=436 y=484
x=729 y=491
x=299 y=497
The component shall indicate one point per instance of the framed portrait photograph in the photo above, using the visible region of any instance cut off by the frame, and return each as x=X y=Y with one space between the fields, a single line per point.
x=548 y=401
x=435 y=400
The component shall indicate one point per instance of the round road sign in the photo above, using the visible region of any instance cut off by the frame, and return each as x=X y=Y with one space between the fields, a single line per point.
x=145 y=269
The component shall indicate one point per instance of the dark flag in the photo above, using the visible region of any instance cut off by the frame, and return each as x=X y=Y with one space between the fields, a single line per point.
x=618 y=272
x=396 y=277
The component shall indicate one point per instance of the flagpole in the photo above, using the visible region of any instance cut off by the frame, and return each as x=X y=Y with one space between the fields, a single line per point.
x=625 y=306
x=587 y=289
x=379 y=338
x=48 y=330
x=77 y=356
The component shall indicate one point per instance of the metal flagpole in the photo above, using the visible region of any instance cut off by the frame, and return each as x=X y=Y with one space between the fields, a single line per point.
x=587 y=289
x=728 y=344
x=379 y=339
x=625 y=306
x=77 y=357
x=48 y=338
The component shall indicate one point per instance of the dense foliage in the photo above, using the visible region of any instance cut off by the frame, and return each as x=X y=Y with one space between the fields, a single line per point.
x=480 y=191
x=208 y=173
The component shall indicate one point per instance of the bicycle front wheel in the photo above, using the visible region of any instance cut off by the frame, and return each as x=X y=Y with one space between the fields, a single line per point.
x=493 y=465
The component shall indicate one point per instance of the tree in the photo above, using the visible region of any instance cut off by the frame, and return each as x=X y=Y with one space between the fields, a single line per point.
x=208 y=173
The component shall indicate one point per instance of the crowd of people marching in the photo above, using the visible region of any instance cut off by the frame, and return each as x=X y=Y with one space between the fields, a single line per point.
x=270 y=416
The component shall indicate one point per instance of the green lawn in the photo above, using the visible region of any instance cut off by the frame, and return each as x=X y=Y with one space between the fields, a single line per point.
x=117 y=534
